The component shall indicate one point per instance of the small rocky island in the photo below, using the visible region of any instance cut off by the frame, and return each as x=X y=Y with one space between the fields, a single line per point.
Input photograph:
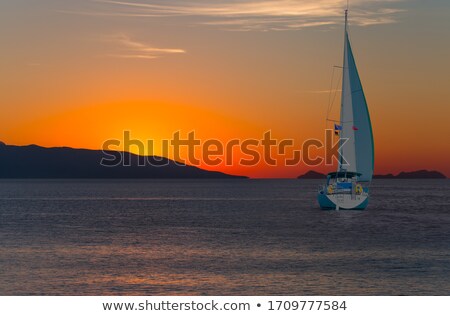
x=420 y=174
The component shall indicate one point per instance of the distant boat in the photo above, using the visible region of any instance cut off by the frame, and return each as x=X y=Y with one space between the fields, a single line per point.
x=348 y=188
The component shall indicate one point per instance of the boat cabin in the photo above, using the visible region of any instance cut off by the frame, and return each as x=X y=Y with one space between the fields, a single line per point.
x=342 y=178
x=344 y=182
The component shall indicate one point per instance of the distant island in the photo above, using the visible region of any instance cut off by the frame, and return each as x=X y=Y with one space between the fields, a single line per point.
x=63 y=162
x=312 y=175
x=420 y=174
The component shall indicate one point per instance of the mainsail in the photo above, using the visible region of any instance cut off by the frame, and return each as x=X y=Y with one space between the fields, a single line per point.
x=358 y=151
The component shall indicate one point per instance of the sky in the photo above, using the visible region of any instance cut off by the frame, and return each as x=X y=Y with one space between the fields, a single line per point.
x=76 y=73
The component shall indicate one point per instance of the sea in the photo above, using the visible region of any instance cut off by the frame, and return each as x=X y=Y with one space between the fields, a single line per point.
x=221 y=237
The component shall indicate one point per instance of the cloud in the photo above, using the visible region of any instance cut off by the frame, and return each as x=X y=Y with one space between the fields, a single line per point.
x=133 y=49
x=256 y=14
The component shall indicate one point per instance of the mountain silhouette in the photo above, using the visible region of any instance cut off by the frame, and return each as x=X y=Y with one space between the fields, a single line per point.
x=420 y=174
x=63 y=162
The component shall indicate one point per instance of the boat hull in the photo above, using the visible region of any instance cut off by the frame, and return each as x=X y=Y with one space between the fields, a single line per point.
x=342 y=201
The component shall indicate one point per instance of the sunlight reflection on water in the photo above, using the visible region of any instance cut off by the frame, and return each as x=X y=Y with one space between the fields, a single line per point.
x=234 y=237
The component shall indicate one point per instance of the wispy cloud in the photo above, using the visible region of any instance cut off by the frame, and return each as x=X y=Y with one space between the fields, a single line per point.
x=132 y=49
x=255 y=14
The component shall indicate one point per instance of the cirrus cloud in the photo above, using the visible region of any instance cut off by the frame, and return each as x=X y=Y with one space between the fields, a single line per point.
x=260 y=15
x=132 y=49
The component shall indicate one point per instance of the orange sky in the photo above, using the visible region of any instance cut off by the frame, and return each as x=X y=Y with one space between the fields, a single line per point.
x=77 y=74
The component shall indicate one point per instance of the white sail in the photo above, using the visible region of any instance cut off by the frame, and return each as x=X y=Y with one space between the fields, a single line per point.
x=357 y=152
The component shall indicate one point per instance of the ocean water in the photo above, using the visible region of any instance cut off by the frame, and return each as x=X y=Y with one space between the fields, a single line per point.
x=220 y=237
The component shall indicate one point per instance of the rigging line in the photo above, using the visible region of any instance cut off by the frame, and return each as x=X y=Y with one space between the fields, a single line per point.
x=335 y=95
x=331 y=89
x=346 y=122
x=337 y=87
x=335 y=91
x=329 y=96
x=329 y=107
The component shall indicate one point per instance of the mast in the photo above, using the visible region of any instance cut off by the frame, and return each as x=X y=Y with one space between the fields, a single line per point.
x=346 y=16
x=346 y=20
x=344 y=77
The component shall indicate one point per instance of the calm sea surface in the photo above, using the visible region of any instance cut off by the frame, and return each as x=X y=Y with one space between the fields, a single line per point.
x=208 y=237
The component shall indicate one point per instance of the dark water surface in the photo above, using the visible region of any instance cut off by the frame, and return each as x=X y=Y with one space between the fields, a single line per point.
x=233 y=237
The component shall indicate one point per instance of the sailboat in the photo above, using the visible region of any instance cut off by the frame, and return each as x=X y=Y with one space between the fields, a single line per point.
x=348 y=187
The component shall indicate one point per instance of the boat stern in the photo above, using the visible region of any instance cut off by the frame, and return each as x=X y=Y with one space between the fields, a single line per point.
x=324 y=202
x=342 y=201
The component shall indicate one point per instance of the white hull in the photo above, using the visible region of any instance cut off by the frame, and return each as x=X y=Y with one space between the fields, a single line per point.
x=343 y=201
x=346 y=202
